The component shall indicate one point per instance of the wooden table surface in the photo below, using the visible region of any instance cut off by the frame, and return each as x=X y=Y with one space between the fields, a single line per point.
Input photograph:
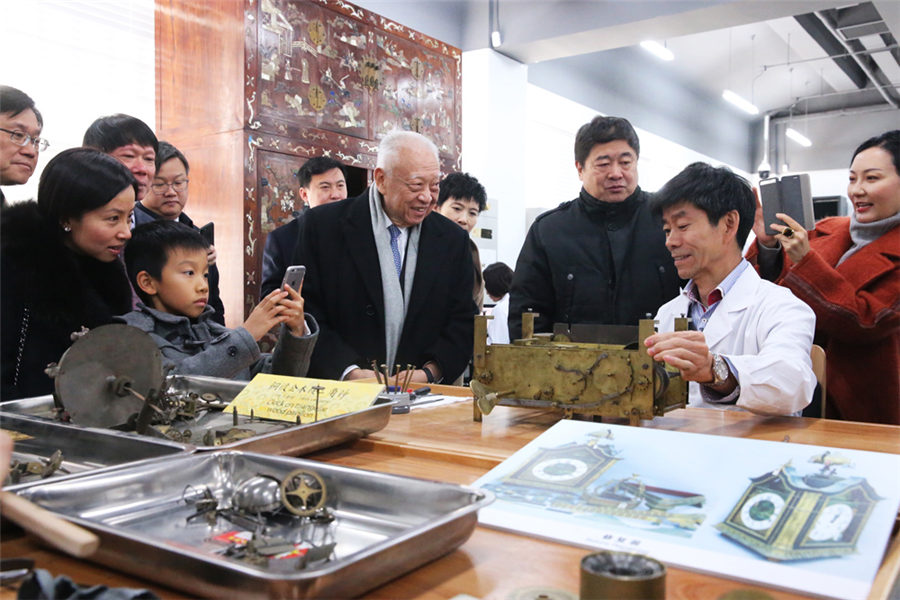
x=444 y=443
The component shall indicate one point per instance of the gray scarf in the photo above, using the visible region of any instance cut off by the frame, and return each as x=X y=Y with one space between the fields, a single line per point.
x=396 y=301
x=865 y=233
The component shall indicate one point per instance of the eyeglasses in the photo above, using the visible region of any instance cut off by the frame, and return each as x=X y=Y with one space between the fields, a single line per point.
x=20 y=138
x=160 y=187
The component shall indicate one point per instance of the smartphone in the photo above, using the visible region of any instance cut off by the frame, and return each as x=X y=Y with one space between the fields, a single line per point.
x=294 y=276
x=208 y=232
x=790 y=195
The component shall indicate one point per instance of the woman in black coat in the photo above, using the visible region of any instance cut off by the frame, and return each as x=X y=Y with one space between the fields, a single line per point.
x=60 y=266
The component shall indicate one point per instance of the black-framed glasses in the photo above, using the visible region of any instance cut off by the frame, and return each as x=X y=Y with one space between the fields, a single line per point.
x=20 y=138
x=160 y=187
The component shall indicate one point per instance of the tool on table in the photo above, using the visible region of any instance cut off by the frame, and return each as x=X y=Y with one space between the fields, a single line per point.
x=59 y=533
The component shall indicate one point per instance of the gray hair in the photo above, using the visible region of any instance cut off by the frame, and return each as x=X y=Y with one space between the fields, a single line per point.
x=395 y=141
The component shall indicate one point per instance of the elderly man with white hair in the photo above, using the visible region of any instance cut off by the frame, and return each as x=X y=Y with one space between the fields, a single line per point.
x=389 y=280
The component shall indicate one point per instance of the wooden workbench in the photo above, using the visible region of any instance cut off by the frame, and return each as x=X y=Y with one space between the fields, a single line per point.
x=444 y=443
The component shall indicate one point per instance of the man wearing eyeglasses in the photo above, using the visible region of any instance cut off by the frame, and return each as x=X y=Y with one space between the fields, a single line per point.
x=167 y=198
x=20 y=125
x=387 y=278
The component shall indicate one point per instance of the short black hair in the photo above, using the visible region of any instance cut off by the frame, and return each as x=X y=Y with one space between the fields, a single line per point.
x=462 y=186
x=317 y=166
x=150 y=246
x=714 y=190
x=497 y=279
x=13 y=101
x=79 y=180
x=108 y=133
x=167 y=152
x=889 y=141
x=602 y=130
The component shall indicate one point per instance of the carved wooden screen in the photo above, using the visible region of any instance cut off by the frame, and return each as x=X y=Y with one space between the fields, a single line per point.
x=329 y=78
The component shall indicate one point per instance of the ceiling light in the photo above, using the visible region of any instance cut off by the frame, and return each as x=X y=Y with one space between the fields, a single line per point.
x=798 y=137
x=496 y=40
x=658 y=50
x=740 y=102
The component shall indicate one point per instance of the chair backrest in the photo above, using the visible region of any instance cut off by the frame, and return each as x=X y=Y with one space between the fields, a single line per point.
x=817 y=355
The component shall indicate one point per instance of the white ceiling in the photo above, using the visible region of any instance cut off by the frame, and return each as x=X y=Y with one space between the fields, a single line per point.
x=754 y=47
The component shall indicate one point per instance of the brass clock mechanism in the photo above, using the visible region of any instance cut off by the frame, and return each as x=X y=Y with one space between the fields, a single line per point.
x=589 y=378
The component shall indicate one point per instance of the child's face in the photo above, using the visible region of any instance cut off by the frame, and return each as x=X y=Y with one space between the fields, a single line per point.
x=183 y=288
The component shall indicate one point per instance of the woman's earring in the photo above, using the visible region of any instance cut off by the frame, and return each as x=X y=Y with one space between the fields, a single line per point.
x=67 y=228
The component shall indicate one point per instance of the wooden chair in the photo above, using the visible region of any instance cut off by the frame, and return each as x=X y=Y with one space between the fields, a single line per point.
x=817 y=354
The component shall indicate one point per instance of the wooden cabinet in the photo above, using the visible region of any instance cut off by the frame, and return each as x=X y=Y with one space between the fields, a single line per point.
x=250 y=89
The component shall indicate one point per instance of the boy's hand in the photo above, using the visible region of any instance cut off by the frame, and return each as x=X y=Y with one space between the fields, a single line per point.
x=293 y=311
x=266 y=315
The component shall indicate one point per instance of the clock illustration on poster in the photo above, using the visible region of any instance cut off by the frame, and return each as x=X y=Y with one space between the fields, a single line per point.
x=559 y=469
x=787 y=514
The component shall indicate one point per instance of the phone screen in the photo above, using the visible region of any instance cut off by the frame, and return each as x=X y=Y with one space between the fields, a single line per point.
x=208 y=233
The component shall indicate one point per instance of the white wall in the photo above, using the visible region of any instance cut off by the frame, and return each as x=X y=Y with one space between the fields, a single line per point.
x=494 y=141
x=78 y=60
x=552 y=124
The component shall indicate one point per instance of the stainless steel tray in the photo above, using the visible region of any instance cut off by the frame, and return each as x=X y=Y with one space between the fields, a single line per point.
x=385 y=525
x=82 y=448
x=270 y=437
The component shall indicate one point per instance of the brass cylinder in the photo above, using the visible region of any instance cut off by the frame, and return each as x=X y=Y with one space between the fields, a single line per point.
x=622 y=576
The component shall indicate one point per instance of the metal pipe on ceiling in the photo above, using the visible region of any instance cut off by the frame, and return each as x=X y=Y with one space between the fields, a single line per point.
x=862 y=65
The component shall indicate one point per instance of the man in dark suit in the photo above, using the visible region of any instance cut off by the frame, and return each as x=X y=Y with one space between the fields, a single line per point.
x=387 y=279
x=321 y=181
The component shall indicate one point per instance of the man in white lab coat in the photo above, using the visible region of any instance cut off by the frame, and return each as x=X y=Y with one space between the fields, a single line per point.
x=748 y=347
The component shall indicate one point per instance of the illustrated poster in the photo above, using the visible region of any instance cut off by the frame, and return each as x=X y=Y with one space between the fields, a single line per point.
x=794 y=516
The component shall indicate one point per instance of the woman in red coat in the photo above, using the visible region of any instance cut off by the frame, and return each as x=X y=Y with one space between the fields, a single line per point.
x=848 y=270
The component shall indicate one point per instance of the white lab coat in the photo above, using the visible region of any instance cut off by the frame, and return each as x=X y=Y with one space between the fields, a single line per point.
x=766 y=332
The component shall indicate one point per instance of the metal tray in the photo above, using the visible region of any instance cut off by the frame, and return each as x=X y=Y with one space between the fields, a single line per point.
x=385 y=525
x=271 y=437
x=82 y=448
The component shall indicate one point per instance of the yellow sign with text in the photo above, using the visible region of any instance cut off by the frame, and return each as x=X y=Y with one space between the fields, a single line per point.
x=285 y=398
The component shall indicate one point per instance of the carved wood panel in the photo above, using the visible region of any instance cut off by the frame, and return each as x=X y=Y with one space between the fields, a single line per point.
x=325 y=77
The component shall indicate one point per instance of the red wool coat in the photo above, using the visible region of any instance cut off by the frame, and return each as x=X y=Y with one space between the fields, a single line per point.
x=857 y=306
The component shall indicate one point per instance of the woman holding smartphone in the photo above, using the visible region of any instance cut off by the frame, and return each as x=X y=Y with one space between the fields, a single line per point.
x=848 y=270
x=61 y=267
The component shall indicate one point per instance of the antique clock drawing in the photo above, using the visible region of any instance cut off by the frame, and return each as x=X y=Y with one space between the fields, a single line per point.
x=568 y=468
x=789 y=515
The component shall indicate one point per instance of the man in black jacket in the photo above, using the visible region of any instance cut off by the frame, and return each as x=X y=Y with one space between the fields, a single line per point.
x=322 y=180
x=600 y=258
x=387 y=278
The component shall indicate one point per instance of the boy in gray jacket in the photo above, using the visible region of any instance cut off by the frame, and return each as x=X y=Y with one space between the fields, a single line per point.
x=167 y=267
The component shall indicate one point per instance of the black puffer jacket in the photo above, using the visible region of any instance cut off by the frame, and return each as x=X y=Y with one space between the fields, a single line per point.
x=59 y=291
x=588 y=261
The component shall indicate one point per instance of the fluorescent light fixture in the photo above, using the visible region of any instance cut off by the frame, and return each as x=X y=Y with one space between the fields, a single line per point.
x=798 y=137
x=658 y=50
x=740 y=102
x=496 y=40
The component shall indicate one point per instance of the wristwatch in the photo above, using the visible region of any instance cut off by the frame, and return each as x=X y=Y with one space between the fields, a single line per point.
x=720 y=370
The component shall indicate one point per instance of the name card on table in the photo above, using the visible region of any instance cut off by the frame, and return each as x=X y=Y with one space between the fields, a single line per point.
x=283 y=398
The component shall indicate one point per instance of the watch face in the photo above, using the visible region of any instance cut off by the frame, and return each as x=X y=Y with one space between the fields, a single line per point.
x=831 y=524
x=720 y=369
x=559 y=469
x=762 y=510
